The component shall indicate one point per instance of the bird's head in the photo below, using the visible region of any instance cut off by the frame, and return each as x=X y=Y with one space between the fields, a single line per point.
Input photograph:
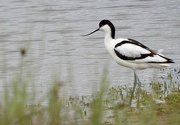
x=106 y=26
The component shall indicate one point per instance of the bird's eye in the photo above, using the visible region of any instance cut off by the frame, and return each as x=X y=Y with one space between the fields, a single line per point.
x=100 y=25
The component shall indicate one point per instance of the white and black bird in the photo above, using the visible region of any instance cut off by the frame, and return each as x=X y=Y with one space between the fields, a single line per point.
x=131 y=53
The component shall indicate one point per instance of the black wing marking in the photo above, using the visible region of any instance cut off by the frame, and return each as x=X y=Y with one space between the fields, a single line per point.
x=140 y=54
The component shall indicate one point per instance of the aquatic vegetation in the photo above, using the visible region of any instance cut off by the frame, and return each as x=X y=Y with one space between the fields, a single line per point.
x=109 y=106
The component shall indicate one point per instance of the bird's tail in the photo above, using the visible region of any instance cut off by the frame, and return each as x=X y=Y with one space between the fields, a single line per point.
x=159 y=52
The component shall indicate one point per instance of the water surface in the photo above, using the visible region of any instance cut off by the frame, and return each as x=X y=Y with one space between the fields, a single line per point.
x=51 y=30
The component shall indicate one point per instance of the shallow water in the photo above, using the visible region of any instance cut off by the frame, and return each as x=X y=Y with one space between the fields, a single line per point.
x=50 y=33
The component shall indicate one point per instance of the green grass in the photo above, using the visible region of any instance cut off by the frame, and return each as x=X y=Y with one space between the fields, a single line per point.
x=109 y=106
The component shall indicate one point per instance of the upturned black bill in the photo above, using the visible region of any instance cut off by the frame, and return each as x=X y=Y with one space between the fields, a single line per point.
x=91 y=32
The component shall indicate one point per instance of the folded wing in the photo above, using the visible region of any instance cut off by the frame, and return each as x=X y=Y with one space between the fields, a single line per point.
x=131 y=50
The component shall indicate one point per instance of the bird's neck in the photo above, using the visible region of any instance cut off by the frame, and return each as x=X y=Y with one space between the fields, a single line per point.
x=108 y=37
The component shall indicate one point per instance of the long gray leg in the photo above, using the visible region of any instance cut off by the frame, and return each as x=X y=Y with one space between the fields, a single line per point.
x=138 y=90
x=136 y=81
x=134 y=86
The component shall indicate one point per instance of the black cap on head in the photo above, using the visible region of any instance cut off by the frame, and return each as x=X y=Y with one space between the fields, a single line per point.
x=102 y=23
x=107 y=22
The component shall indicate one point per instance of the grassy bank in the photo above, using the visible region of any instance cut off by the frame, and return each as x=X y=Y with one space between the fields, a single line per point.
x=109 y=106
